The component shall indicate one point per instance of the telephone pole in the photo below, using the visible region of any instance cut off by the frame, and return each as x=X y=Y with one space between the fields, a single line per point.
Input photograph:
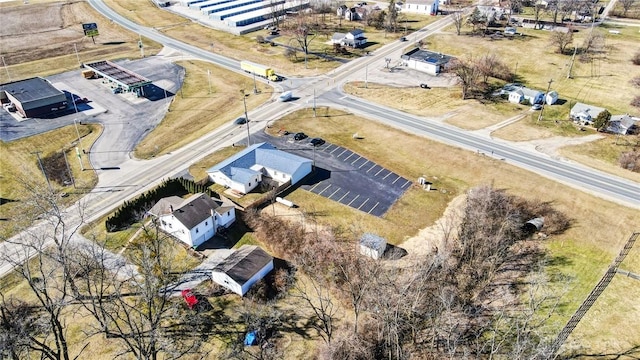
x=573 y=58
x=544 y=100
x=42 y=168
x=246 y=117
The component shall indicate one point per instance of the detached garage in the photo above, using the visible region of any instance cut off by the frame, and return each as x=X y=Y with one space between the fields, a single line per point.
x=33 y=97
x=242 y=269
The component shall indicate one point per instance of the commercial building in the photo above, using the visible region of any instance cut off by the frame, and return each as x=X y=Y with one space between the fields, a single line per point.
x=33 y=97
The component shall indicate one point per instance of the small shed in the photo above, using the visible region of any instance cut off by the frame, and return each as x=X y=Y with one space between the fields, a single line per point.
x=372 y=245
x=242 y=269
x=551 y=97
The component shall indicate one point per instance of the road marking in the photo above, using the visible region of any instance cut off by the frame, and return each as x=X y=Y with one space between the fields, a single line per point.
x=337 y=147
x=359 y=157
x=387 y=175
x=314 y=186
x=363 y=203
x=328 y=186
x=374 y=206
x=394 y=181
x=343 y=196
x=341 y=153
x=379 y=171
x=354 y=199
x=371 y=168
x=345 y=159
x=327 y=148
x=405 y=184
x=330 y=196
x=363 y=164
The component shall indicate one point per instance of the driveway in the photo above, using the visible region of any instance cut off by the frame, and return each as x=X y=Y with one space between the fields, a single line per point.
x=344 y=176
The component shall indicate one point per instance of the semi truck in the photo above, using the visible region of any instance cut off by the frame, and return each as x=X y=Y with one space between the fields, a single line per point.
x=260 y=70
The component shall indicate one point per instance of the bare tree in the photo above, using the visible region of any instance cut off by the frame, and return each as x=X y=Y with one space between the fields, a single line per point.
x=303 y=31
x=318 y=299
x=561 y=40
x=457 y=17
x=467 y=73
x=626 y=5
x=392 y=17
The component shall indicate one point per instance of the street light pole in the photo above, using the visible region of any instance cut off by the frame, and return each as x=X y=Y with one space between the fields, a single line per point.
x=255 y=87
x=246 y=117
x=75 y=47
x=314 y=102
x=42 y=168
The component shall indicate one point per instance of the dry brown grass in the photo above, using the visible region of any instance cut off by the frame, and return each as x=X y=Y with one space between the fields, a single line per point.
x=194 y=112
x=19 y=163
x=44 y=45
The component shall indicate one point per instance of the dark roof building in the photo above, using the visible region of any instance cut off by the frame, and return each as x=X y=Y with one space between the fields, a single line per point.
x=426 y=61
x=33 y=97
x=243 y=268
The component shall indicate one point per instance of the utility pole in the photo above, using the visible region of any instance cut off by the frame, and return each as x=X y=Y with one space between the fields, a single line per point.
x=255 y=87
x=42 y=168
x=141 y=46
x=77 y=132
x=6 y=68
x=75 y=47
x=209 y=80
x=573 y=58
x=314 y=102
x=73 y=181
x=79 y=158
x=544 y=100
x=366 y=75
x=244 y=101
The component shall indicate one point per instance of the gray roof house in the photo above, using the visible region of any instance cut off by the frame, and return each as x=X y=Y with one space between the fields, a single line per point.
x=193 y=220
x=243 y=268
x=425 y=61
x=524 y=93
x=621 y=124
x=372 y=245
x=243 y=171
x=585 y=113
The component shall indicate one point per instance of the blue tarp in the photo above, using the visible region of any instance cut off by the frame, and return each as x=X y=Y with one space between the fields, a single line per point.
x=250 y=338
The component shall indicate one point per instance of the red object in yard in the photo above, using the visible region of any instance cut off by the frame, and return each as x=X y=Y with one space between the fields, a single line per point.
x=189 y=298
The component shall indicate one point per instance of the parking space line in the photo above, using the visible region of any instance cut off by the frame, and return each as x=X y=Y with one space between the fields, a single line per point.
x=405 y=184
x=337 y=147
x=314 y=186
x=374 y=165
x=387 y=175
x=379 y=171
x=394 y=181
x=341 y=153
x=363 y=164
x=343 y=196
x=320 y=193
x=327 y=148
x=374 y=206
x=354 y=199
x=359 y=157
x=330 y=196
x=345 y=159
x=361 y=205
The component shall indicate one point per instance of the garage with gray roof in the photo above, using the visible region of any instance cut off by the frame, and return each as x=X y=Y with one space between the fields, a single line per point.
x=33 y=97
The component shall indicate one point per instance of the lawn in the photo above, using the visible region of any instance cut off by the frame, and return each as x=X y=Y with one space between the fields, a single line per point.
x=19 y=164
x=194 y=111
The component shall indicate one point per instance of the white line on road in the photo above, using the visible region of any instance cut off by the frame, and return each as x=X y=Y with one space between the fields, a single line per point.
x=345 y=159
x=359 y=157
x=374 y=165
x=363 y=164
x=374 y=206
x=394 y=181
x=330 y=196
x=323 y=190
x=387 y=175
x=363 y=203
x=379 y=171
x=343 y=196
x=354 y=199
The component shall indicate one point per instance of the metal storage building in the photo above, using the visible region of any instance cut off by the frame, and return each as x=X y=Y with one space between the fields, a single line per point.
x=34 y=97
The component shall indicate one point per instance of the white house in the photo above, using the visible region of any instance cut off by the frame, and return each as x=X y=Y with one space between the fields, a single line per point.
x=425 y=61
x=243 y=171
x=584 y=113
x=372 y=245
x=354 y=38
x=243 y=268
x=425 y=7
x=551 y=97
x=621 y=124
x=523 y=93
x=193 y=220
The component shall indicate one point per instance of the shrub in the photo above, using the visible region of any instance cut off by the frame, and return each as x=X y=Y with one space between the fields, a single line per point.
x=636 y=102
x=630 y=160
x=636 y=58
x=635 y=81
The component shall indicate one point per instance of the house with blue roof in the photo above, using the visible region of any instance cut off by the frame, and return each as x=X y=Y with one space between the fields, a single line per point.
x=245 y=170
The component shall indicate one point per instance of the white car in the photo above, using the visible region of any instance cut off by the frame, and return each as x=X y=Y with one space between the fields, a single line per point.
x=536 y=107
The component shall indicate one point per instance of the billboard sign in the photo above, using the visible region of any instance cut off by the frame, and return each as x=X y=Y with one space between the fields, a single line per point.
x=90 y=29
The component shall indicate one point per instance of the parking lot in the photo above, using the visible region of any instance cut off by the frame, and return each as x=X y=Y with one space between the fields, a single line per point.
x=344 y=176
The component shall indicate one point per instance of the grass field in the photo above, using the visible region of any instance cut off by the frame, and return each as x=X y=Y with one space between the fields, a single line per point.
x=52 y=48
x=194 y=112
x=19 y=163
x=582 y=254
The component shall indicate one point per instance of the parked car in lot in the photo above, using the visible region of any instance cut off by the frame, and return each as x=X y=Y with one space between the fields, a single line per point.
x=316 y=141
x=241 y=120
x=299 y=136
x=536 y=107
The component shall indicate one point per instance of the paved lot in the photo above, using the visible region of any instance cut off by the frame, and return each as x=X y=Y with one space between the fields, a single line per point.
x=126 y=118
x=344 y=176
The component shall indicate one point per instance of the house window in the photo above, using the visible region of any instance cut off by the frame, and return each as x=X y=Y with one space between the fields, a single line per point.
x=215 y=217
x=249 y=183
x=206 y=223
x=197 y=231
x=164 y=223
x=228 y=213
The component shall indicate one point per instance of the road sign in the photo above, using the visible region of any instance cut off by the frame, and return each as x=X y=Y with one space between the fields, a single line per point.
x=90 y=29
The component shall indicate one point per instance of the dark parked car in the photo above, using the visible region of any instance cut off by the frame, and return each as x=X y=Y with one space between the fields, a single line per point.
x=241 y=120
x=425 y=86
x=316 y=141
x=299 y=136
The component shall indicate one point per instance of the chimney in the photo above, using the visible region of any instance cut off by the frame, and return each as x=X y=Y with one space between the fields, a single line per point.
x=211 y=212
